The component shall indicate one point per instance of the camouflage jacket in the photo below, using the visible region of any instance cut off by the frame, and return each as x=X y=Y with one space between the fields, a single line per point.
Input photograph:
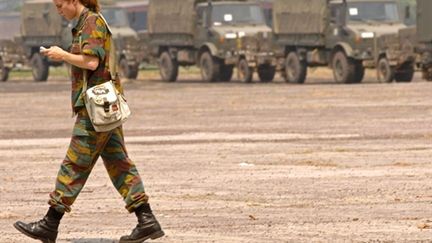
x=95 y=41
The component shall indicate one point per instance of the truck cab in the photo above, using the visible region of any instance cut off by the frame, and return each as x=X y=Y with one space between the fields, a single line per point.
x=341 y=34
x=365 y=30
x=365 y=21
x=214 y=35
x=233 y=29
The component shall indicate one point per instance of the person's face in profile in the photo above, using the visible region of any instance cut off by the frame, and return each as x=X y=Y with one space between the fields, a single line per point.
x=67 y=8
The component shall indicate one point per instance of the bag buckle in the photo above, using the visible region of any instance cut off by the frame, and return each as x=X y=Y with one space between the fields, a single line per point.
x=106 y=105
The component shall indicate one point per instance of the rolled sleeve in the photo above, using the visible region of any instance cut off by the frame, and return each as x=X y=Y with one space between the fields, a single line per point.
x=93 y=37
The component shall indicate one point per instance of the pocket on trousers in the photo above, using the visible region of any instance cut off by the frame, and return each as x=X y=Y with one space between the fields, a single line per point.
x=82 y=126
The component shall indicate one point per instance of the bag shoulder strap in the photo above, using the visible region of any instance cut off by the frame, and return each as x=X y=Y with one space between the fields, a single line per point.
x=112 y=66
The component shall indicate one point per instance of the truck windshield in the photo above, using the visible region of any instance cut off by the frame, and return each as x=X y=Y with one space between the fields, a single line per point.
x=116 y=17
x=138 y=20
x=373 y=11
x=237 y=14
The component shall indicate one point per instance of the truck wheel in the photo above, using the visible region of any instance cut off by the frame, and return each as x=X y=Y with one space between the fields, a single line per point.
x=168 y=67
x=40 y=67
x=226 y=73
x=134 y=72
x=384 y=71
x=359 y=72
x=128 y=71
x=210 y=67
x=344 y=68
x=405 y=75
x=245 y=72
x=4 y=72
x=266 y=73
x=295 y=69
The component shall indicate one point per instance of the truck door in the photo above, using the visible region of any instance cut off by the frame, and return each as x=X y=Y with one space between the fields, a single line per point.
x=203 y=24
x=335 y=32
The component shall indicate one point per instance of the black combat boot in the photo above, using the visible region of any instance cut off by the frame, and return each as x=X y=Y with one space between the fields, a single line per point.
x=147 y=228
x=45 y=229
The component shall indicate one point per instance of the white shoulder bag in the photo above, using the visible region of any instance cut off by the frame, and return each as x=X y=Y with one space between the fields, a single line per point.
x=106 y=106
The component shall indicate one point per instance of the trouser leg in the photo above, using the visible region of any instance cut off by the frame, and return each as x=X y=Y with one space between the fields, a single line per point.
x=74 y=171
x=123 y=172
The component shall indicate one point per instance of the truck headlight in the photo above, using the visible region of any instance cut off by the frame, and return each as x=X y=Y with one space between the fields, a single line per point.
x=367 y=35
x=230 y=36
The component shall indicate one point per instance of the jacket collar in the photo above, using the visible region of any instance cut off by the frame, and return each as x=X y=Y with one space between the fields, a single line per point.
x=81 y=20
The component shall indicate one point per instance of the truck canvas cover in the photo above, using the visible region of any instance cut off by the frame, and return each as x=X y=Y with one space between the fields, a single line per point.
x=300 y=17
x=424 y=20
x=171 y=16
x=40 y=18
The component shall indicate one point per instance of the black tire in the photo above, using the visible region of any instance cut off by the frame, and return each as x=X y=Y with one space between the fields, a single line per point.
x=266 y=73
x=168 y=67
x=128 y=71
x=405 y=75
x=359 y=72
x=344 y=68
x=40 y=67
x=210 y=68
x=245 y=72
x=295 y=69
x=4 y=72
x=226 y=73
x=385 y=72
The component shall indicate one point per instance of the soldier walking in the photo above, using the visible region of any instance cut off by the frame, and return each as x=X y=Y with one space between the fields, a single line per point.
x=92 y=54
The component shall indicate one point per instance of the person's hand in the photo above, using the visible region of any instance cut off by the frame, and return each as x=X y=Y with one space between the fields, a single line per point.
x=54 y=53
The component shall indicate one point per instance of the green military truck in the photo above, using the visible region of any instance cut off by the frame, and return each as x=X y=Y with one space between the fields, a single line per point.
x=342 y=35
x=41 y=25
x=127 y=21
x=214 y=35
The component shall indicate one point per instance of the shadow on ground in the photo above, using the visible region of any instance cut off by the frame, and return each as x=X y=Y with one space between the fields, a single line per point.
x=93 y=240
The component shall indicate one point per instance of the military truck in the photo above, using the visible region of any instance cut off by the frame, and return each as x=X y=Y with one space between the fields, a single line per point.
x=41 y=25
x=127 y=21
x=214 y=35
x=340 y=34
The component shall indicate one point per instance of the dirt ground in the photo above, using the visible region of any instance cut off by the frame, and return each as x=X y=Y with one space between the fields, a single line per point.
x=234 y=162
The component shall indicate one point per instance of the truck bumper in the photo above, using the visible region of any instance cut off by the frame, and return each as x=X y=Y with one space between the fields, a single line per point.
x=364 y=55
x=258 y=59
x=253 y=59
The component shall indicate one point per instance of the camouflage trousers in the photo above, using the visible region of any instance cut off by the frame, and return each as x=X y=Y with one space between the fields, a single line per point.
x=84 y=150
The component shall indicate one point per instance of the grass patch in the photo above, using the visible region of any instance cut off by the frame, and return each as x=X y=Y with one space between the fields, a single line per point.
x=62 y=72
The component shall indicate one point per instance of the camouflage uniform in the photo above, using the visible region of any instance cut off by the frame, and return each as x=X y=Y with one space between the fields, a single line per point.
x=86 y=144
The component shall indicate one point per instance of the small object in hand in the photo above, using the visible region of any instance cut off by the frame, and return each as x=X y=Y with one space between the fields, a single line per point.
x=42 y=49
